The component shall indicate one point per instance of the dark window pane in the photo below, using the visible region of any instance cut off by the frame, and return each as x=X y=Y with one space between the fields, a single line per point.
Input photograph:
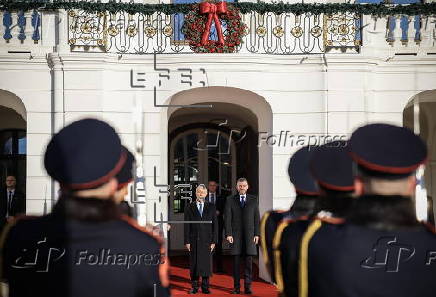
x=22 y=145
x=6 y=143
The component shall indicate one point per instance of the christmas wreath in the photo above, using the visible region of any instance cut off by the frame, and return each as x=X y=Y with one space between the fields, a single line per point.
x=198 y=22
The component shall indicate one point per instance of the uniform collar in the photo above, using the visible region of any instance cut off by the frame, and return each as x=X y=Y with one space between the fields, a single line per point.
x=384 y=212
x=87 y=209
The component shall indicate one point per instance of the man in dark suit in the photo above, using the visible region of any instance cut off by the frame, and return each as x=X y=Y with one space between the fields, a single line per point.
x=200 y=239
x=242 y=232
x=12 y=201
x=219 y=202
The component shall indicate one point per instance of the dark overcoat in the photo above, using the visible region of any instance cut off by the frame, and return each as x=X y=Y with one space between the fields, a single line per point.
x=200 y=236
x=242 y=223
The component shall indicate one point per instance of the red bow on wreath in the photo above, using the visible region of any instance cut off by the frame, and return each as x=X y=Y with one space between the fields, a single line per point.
x=213 y=10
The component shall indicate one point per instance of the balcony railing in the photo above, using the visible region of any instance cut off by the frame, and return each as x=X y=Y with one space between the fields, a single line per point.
x=21 y=27
x=269 y=33
x=266 y=33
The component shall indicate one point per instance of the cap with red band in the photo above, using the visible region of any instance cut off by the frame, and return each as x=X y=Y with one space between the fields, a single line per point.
x=387 y=151
x=125 y=176
x=299 y=172
x=84 y=155
x=332 y=167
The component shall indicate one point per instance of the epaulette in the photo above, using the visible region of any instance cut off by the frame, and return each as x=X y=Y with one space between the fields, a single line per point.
x=262 y=236
x=430 y=227
x=164 y=263
x=146 y=230
x=277 y=253
x=304 y=256
x=332 y=220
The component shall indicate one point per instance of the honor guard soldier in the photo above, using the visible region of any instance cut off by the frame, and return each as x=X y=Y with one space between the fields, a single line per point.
x=331 y=166
x=303 y=206
x=381 y=249
x=84 y=247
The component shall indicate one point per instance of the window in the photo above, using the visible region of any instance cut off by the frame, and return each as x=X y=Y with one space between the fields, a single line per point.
x=13 y=143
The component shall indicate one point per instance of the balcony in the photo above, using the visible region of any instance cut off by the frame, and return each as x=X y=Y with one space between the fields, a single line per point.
x=268 y=33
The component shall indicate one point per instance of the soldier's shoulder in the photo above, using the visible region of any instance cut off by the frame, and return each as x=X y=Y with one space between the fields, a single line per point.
x=28 y=222
x=24 y=227
x=144 y=235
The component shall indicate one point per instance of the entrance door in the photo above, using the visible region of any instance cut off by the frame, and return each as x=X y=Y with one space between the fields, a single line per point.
x=198 y=155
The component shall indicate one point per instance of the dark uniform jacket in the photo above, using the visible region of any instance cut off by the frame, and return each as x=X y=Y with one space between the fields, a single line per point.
x=200 y=236
x=242 y=224
x=303 y=207
x=286 y=247
x=381 y=251
x=83 y=248
x=268 y=226
x=287 y=239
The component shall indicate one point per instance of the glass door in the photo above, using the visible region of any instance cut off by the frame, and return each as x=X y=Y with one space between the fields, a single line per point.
x=197 y=156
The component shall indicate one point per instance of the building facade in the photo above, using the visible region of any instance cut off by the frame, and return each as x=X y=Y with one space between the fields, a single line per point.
x=296 y=80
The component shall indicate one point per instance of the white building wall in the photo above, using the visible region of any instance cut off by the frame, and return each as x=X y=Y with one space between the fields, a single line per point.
x=306 y=99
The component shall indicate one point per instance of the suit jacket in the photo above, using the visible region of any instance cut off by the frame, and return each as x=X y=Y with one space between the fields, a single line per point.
x=18 y=203
x=220 y=202
x=207 y=233
x=242 y=223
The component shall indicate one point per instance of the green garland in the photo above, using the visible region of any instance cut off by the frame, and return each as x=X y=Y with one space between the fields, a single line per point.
x=245 y=7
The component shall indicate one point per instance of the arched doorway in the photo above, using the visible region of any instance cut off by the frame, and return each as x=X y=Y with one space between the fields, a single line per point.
x=240 y=110
x=13 y=139
x=420 y=116
x=208 y=144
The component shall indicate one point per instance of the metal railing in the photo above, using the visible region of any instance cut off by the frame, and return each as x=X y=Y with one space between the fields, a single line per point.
x=266 y=33
x=269 y=33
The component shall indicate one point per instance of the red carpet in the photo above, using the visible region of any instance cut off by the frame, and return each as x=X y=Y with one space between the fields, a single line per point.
x=220 y=284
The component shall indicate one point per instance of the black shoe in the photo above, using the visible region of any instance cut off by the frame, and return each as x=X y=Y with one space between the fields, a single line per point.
x=236 y=291
x=205 y=291
x=248 y=291
x=193 y=291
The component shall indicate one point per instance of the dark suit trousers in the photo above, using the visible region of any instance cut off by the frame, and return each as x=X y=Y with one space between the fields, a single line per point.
x=248 y=271
x=195 y=281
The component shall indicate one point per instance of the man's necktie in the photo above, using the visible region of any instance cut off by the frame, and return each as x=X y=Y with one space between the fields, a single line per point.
x=242 y=201
x=9 y=202
x=201 y=209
